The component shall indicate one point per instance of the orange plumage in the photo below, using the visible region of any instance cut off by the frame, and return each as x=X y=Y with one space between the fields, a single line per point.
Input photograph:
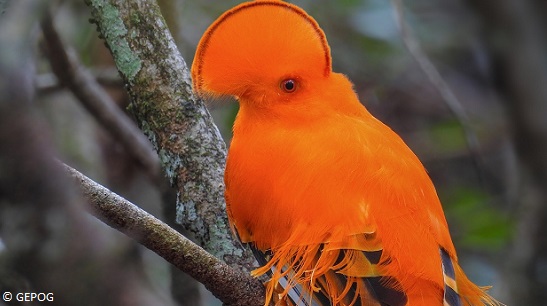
x=334 y=199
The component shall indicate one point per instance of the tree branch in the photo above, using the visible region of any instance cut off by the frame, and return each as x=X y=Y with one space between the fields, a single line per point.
x=179 y=126
x=231 y=286
x=48 y=82
x=438 y=83
x=517 y=39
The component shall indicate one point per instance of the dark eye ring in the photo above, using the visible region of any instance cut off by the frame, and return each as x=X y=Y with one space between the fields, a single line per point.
x=288 y=85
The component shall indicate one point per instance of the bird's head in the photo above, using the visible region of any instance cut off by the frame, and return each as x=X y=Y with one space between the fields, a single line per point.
x=261 y=50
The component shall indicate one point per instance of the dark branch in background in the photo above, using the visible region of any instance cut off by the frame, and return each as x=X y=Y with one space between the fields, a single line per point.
x=230 y=286
x=96 y=100
x=191 y=150
x=106 y=77
x=51 y=246
x=438 y=82
x=517 y=38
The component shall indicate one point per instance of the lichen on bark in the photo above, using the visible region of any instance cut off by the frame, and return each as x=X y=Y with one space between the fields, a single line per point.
x=114 y=33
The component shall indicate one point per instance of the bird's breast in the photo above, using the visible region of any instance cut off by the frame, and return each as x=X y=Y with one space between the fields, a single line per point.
x=282 y=180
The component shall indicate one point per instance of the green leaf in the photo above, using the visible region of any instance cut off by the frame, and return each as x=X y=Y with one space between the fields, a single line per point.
x=475 y=223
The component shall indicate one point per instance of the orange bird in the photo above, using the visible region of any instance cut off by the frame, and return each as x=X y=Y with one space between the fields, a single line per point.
x=337 y=207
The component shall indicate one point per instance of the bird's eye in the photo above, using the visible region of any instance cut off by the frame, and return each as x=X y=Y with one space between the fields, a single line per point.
x=288 y=85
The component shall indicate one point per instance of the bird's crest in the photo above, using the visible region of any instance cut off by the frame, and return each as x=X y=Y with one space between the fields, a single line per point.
x=259 y=41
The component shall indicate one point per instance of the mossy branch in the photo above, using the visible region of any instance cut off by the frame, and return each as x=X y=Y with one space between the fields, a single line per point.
x=179 y=126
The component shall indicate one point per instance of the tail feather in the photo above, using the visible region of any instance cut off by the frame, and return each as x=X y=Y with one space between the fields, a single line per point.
x=337 y=277
x=458 y=289
x=451 y=296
